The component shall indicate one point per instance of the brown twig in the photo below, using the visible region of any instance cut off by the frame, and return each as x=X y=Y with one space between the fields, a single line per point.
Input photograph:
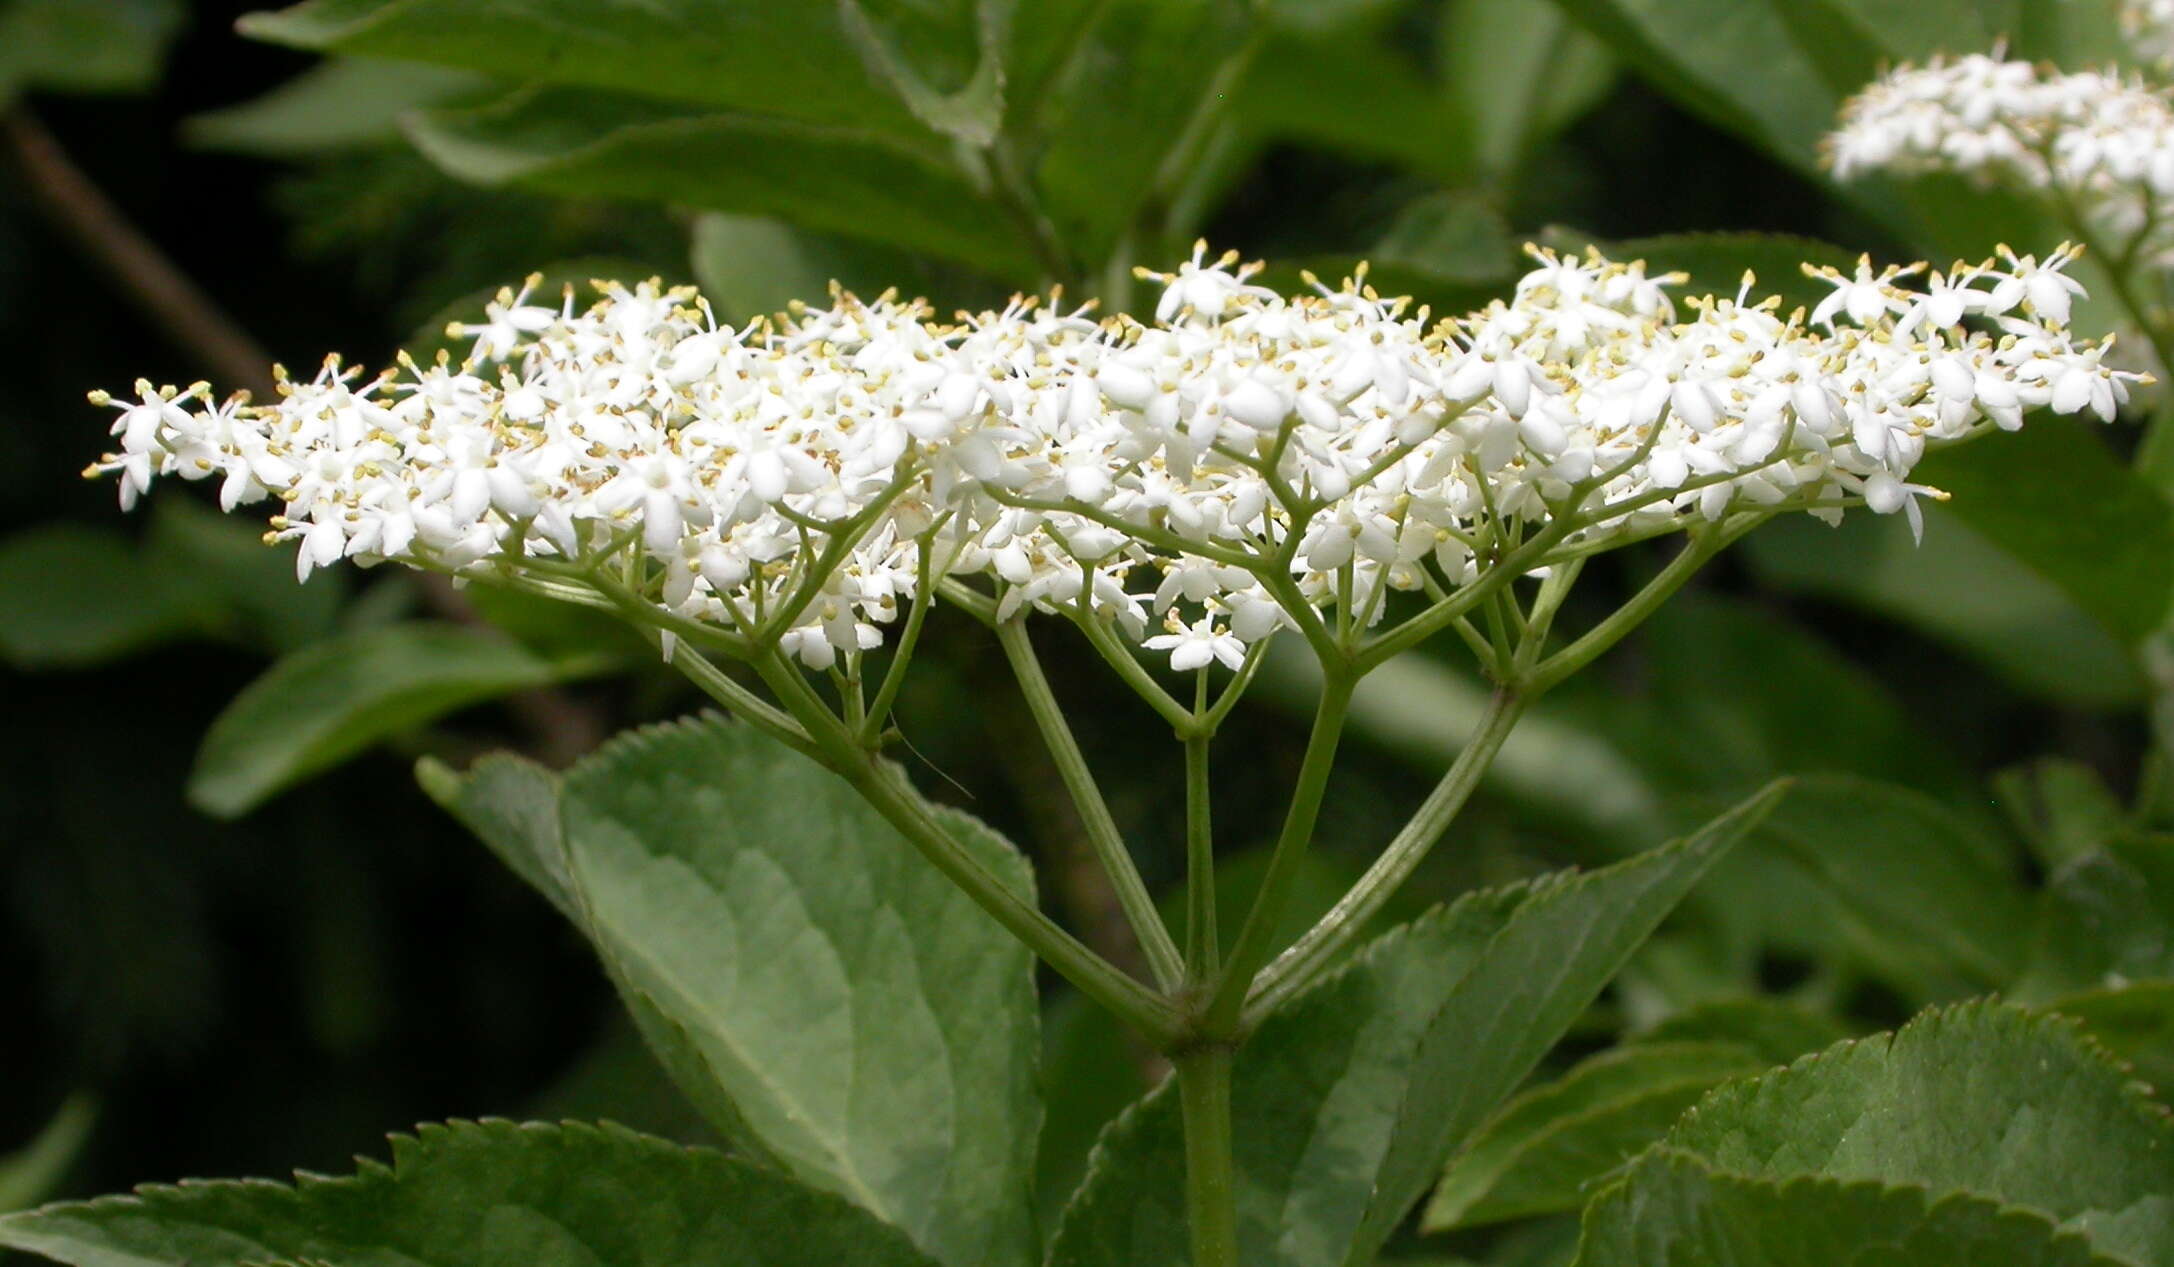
x=560 y=727
x=174 y=303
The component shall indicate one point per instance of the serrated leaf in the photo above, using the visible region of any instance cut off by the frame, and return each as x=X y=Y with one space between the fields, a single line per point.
x=333 y=699
x=1672 y=1210
x=1982 y=1098
x=2135 y=1022
x=1929 y=895
x=835 y=179
x=1539 y=1153
x=791 y=60
x=1957 y=588
x=481 y=1194
x=1347 y=1101
x=830 y=999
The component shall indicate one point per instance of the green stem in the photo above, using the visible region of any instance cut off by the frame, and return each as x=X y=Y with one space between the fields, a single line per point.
x=1094 y=810
x=885 y=787
x=1211 y=1203
x=1322 y=945
x=1202 y=946
x=1255 y=937
x=1704 y=545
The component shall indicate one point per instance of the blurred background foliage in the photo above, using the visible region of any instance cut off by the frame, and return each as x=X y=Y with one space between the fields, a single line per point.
x=230 y=923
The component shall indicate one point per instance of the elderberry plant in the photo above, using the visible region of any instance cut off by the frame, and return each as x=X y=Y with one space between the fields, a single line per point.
x=777 y=506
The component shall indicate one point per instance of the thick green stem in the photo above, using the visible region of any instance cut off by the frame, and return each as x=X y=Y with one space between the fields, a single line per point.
x=1314 y=953
x=1211 y=1203
x=1094 y=811
x=1255 y=937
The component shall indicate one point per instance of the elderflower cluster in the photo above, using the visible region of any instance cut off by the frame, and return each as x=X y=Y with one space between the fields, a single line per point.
x=2100 y=139
x=2149 y=24
x=1196 y=481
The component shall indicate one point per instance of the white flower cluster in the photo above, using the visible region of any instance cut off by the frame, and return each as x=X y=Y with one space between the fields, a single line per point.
x=1206 y=476
x=2101 y=139
x=2149 y=25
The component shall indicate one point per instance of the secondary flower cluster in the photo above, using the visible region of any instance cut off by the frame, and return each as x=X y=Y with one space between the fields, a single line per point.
x=2149 y=25
x=1210 y=474
x=2099 y=138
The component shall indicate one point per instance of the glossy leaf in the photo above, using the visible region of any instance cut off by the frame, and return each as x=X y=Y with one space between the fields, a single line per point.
x=333 y=699
x=481 y=1194
x=1539 y=1153
x=1982 y=1098
x=1672 y=1210
x=1349 y=1099
x=563 y=141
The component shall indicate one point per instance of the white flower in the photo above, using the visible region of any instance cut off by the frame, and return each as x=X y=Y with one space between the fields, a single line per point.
x=1195 y=645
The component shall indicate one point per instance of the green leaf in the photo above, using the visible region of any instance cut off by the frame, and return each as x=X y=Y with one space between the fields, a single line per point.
x=2054 y=497
x=333 y=699
x=829 y=178
x=1349 y=1099
x=241 y=589
x=1538 y=1154
x=31 y=1173
x=481 y=1194
x=945 y=61
x=2107 y=919
x=86 y=46
x=753 y=266
x=1353 y=92
x=1738 y=692
x=793 y=59
x=1092 y=1068
x=1113 y=123
x=1673 y=1210
x=1518 y=74
x=1452 y=236
x=341 y=103
x=2061 y=807
x=1982 y=1098
x=2133 y=1021
x=1920 y=29
x=1928 y=894
x=1776 y=1030
x=1736 y=63
x=1957 y=588
x=72 y=596
x=856 y=1017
